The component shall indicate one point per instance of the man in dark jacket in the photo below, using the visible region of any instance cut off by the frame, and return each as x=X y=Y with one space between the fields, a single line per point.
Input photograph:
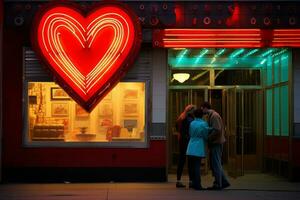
x=216 y=140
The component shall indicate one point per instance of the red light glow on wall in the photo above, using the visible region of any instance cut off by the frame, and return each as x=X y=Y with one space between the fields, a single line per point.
x=226 y=38
x=87 y=55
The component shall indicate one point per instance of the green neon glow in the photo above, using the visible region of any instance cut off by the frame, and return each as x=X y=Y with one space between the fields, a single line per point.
x=234 y=58
x=251 y=52
x=220 y=52
x=267 y=53
x=236 y=53
x=280 y=52
x=202 y=53
x=182 y=54
x=263 y=61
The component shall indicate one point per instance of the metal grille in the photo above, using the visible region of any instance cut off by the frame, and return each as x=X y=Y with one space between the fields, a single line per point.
x=141 y=70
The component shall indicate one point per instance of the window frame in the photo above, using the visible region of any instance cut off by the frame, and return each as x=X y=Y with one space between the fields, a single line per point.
x=87 y=144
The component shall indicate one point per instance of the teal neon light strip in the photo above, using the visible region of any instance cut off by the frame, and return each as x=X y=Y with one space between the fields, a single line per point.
x=182 y=54
x=263 y=61
x=220 y=52
x=251 y=52
x=267 y=53
x=202 y=53
x=236 y=53
x=239 y=58
x=280 y=52
x=207 y=62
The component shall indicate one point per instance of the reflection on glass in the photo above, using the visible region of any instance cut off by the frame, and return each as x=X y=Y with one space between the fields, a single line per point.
x=54 y=116
x=237 y=77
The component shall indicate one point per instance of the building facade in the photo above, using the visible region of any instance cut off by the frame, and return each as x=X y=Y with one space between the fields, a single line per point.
x=240 y=56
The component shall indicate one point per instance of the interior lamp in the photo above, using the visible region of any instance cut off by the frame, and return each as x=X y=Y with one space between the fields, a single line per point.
x=181 y=77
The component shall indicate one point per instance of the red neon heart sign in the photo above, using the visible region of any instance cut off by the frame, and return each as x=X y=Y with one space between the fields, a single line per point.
x=87 y=55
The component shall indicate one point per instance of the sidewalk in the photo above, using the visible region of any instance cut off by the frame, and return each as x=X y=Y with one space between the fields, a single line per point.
x=249 y=187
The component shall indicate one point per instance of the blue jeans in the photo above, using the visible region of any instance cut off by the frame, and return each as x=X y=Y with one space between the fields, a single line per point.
x=216 y=165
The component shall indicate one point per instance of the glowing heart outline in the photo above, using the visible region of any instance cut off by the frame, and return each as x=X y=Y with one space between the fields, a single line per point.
x=84 y=94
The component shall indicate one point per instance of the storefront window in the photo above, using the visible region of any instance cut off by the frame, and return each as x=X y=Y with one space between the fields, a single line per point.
x=277 y=93
x=54 y=116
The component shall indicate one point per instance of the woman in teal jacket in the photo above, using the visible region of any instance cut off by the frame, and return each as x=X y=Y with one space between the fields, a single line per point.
x=196 y=148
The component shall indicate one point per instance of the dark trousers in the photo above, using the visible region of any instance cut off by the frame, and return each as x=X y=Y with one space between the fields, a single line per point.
x=216 y=165
x=181 y=159
x=194 y=171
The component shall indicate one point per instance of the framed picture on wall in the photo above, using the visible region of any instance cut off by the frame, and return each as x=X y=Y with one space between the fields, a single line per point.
x=80 y=112
x=130 y=109
x=130 y=124
x=130 y=94
x=105 y=109
x=59 y=94
x=60 y=109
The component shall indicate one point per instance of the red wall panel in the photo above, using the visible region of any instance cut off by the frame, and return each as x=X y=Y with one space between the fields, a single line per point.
x=296 y=151
x=276 y=147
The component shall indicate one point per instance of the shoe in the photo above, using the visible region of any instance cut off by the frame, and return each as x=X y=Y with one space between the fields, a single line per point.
x=214 y=188
x=180 y=185
x=225 y=185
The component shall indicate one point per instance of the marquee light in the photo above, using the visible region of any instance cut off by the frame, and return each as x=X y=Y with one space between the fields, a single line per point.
x=226 y=38
x=205 y=38
x=87 y=54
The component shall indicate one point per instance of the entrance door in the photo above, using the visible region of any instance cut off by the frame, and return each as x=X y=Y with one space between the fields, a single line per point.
x=241 y=111
x=243 y=123
x=233 y=141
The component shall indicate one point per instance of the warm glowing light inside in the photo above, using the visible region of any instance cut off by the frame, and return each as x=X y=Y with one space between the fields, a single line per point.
x=181 y=77
x=54 y=116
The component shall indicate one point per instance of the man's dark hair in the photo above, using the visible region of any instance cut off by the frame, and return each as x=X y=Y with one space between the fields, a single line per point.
x=206 y=105
x=198 y=113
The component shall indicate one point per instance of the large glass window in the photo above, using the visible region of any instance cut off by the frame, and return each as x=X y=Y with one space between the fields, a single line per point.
x=284 y=110
x=54 y=116
x=269 y=111
x=277 y=93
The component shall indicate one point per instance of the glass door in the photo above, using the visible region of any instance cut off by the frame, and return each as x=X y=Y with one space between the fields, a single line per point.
x=244 y=125
x=250 y=129
x=233 y=138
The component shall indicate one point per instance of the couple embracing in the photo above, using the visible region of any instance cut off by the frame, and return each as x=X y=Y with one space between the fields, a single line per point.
x=194 y=133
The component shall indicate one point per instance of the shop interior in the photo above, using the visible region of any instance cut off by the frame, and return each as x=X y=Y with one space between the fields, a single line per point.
x=54 y=116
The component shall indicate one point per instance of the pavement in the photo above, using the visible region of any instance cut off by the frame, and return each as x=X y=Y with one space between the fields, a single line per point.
x=248 y=187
